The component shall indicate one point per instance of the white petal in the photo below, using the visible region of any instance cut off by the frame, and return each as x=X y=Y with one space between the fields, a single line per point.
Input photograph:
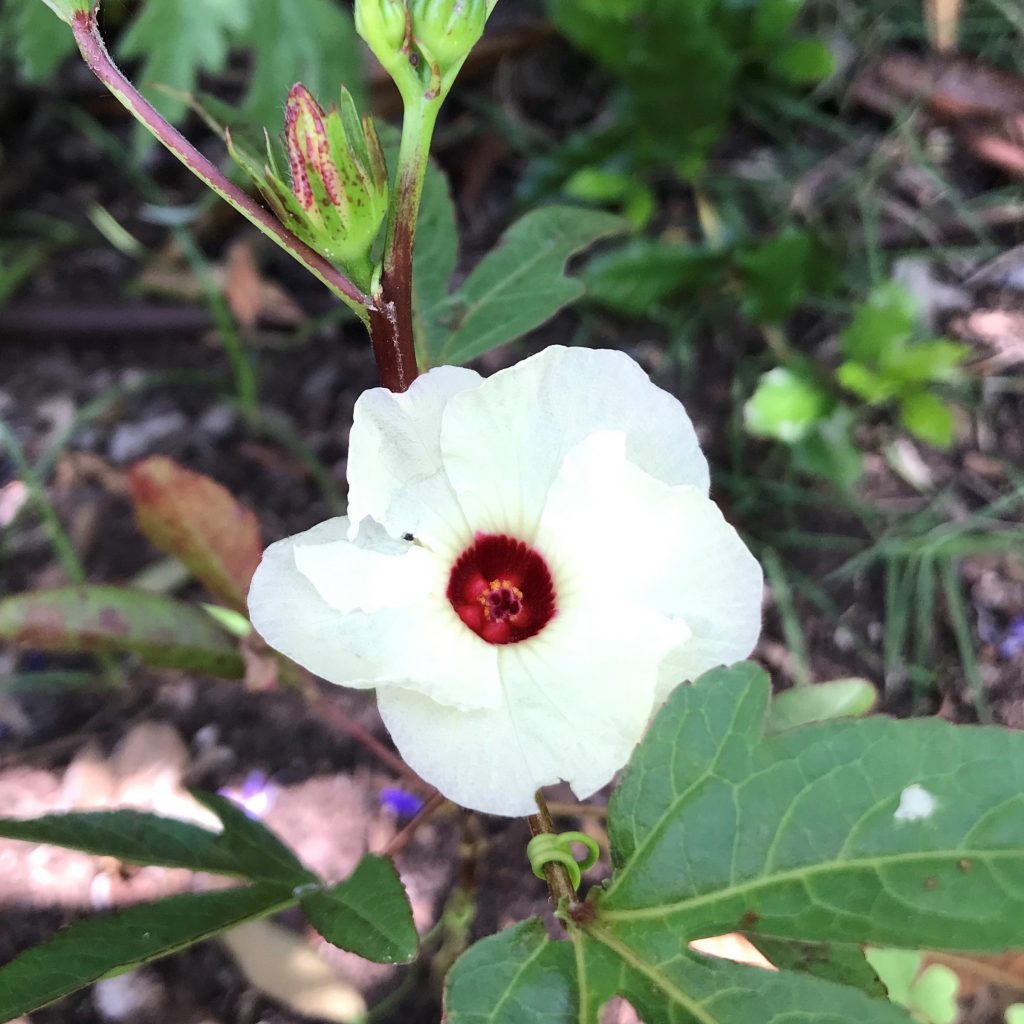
x=576 y=700
x=503 y=442
x=370 y=612
x=611 y=528
x=395 y=474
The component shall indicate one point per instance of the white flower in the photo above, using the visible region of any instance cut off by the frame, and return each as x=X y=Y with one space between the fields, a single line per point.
x=530 y=564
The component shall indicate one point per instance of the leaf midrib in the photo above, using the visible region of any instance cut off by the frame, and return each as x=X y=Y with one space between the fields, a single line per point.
x=801 y=873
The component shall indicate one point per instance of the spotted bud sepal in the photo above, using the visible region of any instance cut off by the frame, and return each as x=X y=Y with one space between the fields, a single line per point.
x=336 y=195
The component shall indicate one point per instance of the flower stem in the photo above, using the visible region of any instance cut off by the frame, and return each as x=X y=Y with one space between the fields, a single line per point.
x=95 y=54
x=391 y=320
x=555 y=874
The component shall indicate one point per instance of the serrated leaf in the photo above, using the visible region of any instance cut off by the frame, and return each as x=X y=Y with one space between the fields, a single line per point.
x=308 y=41
x=111 y=620
x=845 y=831
x=178 y=39
x=520 y=977
x=194 y=518
x=835 y=834
x=244 y=848
x=367 y=914
x=521 y=283
x=39 y=43
x=92 y=949
x=256 y=851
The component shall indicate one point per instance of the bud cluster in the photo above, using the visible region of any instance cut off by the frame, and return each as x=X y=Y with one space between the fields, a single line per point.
x=421 y=40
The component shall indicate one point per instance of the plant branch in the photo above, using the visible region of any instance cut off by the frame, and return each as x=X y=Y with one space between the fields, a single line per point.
x=95 y=54
x=391 y=321
x=402 y=839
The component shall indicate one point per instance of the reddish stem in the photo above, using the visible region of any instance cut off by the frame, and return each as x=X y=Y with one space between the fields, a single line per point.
x=402 y=839
x=95 y=54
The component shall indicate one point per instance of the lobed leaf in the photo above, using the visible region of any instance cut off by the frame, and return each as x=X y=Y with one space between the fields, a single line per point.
x=106 y=619
x=194 y=518
x=811 y=841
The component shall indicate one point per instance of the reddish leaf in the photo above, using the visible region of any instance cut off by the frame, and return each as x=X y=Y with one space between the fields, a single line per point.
x=104 y=619
x=192 y=517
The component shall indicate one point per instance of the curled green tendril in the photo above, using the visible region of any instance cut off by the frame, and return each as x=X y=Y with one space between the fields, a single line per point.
x=556 y=848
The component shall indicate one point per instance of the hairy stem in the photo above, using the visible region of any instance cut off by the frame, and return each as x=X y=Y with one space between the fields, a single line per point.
x=391 y=321
x=95 y=54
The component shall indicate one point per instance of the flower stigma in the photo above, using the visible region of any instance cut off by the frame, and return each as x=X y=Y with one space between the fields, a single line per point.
x=502 y=589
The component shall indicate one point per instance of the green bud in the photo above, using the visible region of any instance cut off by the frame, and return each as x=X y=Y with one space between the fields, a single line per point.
x=337 y=196
x=446 y=30
x=383 y=24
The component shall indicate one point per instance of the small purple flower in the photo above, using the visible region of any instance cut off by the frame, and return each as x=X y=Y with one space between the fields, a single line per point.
x=400 y=803
x=255 y=796
x=1013 y=639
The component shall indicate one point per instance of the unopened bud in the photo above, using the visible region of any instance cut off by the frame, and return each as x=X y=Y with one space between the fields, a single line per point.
x=446 y=30
x=383 y=24
x=337 y=197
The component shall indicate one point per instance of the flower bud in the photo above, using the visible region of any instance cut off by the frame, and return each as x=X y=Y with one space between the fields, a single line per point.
x=338 y=194
x=382 y=23
x=446 y=30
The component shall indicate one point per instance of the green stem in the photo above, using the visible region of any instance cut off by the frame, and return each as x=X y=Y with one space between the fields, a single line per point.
x=95 y=54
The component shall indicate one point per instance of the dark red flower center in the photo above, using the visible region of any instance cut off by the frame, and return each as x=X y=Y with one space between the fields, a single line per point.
x=502 y=589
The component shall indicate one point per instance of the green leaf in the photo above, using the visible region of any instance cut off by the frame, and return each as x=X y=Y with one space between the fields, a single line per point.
x=927 y=417
x=93 y=949
x=244 y=848
x=521 y=283
x=844 y=831
x=178 y=39
x=925 y=361
x=829 y=450
x=864 y=383
x=194 y=518
x=308 y=41
x=843 y=963
x=256 y=851
x=437 y=247
x=772 y=19
x=779 y=274
x=107 y=619
x=638 y=277
x=520 y=977
x=802 y=705
x=830 y=835
x=39 y=44
x=885 y=322
x=367 y=914
x=786 y=405
x=803 y=62
x=66 y=9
